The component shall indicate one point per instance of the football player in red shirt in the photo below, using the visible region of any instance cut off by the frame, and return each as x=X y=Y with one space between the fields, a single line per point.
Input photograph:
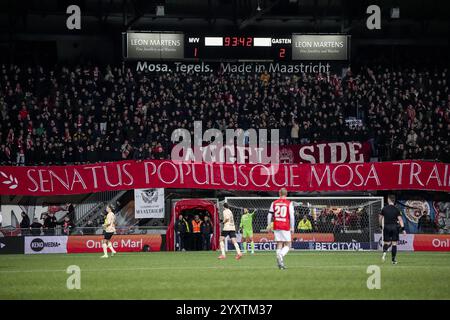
x=281 y=212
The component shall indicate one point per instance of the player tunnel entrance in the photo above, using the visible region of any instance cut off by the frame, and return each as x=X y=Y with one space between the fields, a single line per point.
x=188 y=208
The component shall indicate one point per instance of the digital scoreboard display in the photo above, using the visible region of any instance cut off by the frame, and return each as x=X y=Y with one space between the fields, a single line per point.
x=238 y=47
x=179 y=46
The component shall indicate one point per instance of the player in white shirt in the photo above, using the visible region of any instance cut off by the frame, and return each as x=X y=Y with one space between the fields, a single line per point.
x=229 y=229
x=109 y=227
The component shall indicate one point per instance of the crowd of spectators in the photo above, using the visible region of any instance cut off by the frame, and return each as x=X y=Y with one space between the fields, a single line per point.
x=48 y=226
x=334 y=220
x=426 y=224
x=87 y=114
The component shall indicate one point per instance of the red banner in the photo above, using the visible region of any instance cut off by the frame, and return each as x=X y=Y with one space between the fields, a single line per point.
x=327 y=152
x=124 y=175
x=121 y=243
x=431 y=242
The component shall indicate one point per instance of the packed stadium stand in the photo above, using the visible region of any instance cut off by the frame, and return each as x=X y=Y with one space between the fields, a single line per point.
x=327 y=175
x=87 y=114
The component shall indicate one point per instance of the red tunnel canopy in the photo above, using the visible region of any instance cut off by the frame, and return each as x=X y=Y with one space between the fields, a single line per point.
x=186 y=204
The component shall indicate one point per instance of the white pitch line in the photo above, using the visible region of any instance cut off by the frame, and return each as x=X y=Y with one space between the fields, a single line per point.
x=188 y=253
x=214 y=267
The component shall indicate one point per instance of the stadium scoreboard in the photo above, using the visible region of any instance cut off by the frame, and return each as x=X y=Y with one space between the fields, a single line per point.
x=238 y=47
x=145 y=45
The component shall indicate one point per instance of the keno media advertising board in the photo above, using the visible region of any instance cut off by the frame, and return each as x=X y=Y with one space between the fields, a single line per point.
x=46 y=244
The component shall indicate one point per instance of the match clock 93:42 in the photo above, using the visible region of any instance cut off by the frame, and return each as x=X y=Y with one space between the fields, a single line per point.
x=240 y=47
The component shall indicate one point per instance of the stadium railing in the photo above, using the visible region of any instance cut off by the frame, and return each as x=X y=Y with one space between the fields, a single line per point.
x=95 y=204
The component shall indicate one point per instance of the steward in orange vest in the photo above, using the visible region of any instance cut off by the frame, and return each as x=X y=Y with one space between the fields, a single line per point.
x=196 y=233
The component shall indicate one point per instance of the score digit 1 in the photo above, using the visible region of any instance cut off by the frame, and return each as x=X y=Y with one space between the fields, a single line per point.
x=195 y=52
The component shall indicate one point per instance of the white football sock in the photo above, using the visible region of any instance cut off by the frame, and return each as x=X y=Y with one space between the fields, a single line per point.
x=278 y=252
x=111 y=248
x=236 y=246
x=105 y=249
x=222 y=247
x=284 y=251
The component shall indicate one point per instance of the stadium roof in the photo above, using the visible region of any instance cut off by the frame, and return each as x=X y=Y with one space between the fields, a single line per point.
x=417 y=17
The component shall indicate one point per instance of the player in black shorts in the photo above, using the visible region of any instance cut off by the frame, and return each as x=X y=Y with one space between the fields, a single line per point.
x=229 y=229
x=231 y=234
x=109 y=228
x=391 y=222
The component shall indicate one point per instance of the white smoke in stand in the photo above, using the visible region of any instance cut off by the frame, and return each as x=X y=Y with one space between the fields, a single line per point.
x=236 y=147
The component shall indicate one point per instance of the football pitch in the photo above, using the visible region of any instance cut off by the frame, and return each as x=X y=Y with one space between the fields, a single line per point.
x=200 y=275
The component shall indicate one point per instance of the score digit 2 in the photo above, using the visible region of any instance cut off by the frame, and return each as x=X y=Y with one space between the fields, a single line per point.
x=282 y=53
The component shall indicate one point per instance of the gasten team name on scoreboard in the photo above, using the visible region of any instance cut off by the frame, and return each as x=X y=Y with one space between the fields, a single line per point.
x=281 y=41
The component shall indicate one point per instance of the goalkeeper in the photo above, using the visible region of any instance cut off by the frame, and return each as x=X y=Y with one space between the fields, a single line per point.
x=247 y=229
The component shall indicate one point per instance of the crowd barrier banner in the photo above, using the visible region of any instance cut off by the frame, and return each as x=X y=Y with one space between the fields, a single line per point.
x=45 y=244
x=406 y=242
x=335 y=246
x=125 y=175
x=325 y=242
x=11 y=245
x=259 y=246
x=265 y=241
x=420 y=242
x=431 y=242
x=121 y=243
x=312 y=245
x=311 y=237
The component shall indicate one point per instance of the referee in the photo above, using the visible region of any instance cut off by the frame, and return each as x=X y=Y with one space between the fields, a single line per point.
x=392 y=224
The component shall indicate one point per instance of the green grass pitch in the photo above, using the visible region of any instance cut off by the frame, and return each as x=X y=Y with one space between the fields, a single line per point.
x=191 y=275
